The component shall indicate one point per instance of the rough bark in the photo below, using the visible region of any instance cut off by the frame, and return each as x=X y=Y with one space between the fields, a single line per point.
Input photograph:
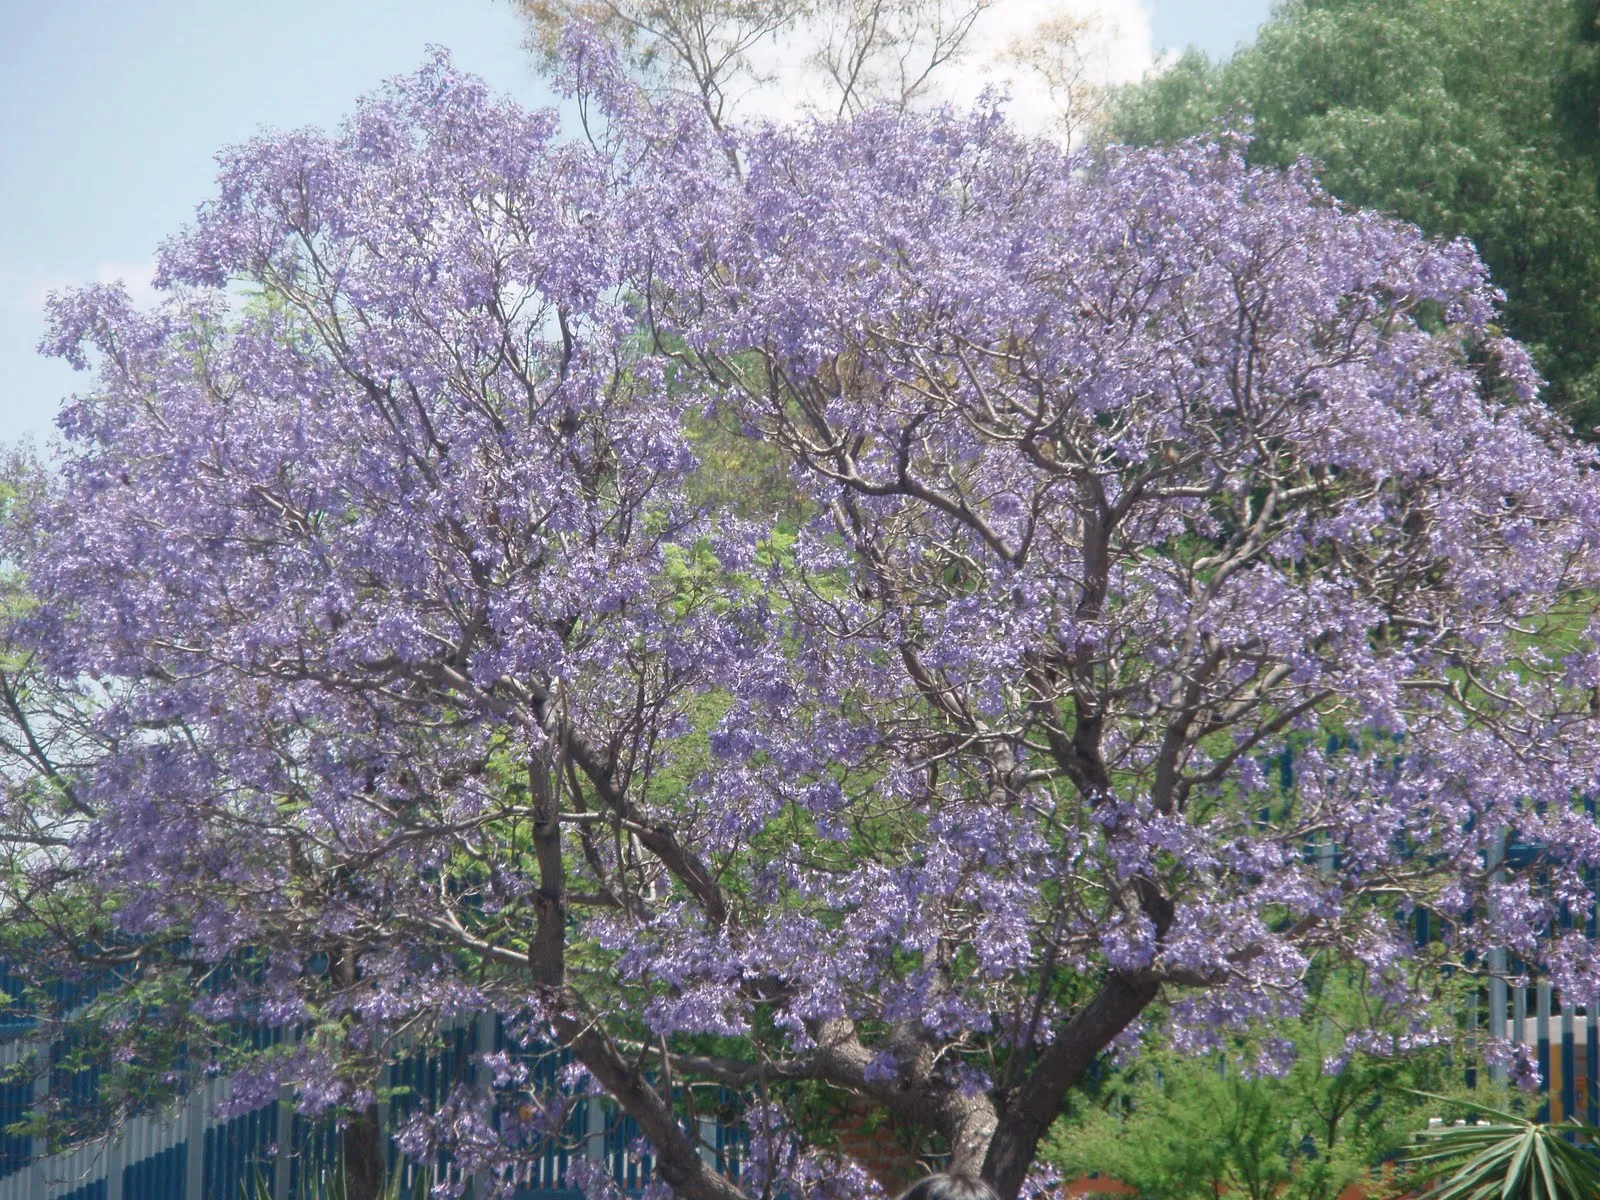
x=361 y=1149
x=678 y=1161
x=1035 y=1103
x=547 y=952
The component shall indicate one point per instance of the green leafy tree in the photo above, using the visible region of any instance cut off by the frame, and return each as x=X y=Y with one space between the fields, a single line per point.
x=1468 y=117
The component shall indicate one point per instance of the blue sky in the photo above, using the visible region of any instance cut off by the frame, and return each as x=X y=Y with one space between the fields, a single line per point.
x=113 y=111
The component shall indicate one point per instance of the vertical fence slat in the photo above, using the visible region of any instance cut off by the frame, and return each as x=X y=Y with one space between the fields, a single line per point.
x=1569 y=1060
x=1542 y=1031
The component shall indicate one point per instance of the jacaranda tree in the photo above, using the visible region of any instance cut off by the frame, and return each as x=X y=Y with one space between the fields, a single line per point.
x=383 y=657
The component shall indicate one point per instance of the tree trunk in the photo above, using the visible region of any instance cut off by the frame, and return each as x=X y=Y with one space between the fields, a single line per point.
x=1034 y=1105
x=678 y=1161
x=362 y=1158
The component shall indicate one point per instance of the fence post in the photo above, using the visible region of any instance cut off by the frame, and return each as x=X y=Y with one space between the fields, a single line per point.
x=483 y=1044
x=284 y=1136
x=1497 y=968
x=1569 y=1059
x=707 y=1132
x=1591 y=1057
x=194 y=1157
x=594 y=1141
x=1542 y=1032
x=115 y=1156
x=38 y=1147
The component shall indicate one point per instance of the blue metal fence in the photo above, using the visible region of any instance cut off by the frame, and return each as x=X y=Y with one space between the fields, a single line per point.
x=274 y=1152
x=162 y=1176
x=15 y=1151
x=238 y=1155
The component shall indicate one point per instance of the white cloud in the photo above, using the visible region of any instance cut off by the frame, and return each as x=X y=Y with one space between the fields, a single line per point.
x=1117 y=47
x=26 y=291
x=137 y=278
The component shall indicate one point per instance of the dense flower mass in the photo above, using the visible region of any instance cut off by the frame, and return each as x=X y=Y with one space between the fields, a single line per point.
x=1163 y=580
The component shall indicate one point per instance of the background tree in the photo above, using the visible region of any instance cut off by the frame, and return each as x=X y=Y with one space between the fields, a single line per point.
x=423 y=685
x=838 y=57
x=703 y=46
x=1468 y=118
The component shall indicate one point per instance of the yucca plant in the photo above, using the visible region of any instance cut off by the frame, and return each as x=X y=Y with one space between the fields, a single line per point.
x=329 y=1184
x=1507 y=1157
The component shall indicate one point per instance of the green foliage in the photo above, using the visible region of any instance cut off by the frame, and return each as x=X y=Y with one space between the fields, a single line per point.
x=1180 y=1127
x=330 y=1184
x=1468 y=117
x=1507 y=1157
x=748 y=477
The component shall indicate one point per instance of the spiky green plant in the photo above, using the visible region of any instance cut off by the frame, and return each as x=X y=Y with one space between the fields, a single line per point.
x=1507 y=1157
x=329 y=1184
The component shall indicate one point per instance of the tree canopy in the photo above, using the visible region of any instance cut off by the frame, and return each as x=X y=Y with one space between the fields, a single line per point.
x=1471 y=119
x=382 y=661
